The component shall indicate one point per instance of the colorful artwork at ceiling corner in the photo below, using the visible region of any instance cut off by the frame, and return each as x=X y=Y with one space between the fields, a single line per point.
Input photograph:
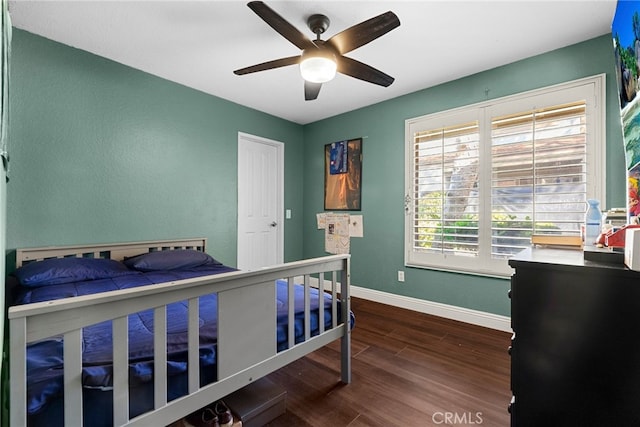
x=625 y=30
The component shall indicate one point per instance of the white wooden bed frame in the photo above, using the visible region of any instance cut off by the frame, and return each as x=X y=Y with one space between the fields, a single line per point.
x=246 y=347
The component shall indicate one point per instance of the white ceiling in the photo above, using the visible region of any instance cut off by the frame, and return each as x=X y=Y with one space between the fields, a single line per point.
x=200 y=43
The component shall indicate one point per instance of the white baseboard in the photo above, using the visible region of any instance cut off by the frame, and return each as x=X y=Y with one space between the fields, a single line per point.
x=474 y=317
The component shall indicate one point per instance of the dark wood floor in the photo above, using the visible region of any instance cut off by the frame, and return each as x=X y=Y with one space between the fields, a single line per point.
x=408 y=369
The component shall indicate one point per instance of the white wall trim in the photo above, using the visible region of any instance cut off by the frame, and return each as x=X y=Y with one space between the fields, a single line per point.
x=461 y=314
x=474 y=317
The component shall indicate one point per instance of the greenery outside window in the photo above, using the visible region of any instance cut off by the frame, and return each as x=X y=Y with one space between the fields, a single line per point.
x=481 y=179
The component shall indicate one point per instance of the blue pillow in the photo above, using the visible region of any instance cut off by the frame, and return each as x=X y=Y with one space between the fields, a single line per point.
x=55 y=271
x=179 y=259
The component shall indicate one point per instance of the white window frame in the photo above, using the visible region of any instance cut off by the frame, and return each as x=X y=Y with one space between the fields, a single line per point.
x=591 y=89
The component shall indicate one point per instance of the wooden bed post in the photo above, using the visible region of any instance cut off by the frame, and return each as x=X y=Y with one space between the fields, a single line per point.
x=18 y=372
x=345 y=341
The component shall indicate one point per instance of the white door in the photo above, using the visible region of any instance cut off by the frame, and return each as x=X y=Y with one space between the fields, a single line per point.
x=260 y=202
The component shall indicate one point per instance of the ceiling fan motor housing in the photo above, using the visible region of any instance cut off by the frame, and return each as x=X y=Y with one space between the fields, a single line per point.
x=318 y=23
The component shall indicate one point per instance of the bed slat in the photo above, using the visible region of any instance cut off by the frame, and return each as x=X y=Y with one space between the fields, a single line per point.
x=73 y=377
x=321 y=302
x=307 y=308
x=194 y=345
x=120 y=370
x=291 y=312
x=160 y=357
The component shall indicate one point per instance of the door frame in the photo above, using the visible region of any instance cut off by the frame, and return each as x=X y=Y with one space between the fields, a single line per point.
x=245 y=138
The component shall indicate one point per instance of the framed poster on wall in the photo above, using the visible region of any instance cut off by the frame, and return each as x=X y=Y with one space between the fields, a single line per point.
x=343 y=175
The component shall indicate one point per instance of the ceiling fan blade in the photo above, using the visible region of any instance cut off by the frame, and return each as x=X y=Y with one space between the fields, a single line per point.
x=281 y=25
x=311 y=90
x=276 y=63
x=364 y=32
x=361 y=71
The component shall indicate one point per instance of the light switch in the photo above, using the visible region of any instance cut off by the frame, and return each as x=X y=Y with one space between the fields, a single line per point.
x=287 y=214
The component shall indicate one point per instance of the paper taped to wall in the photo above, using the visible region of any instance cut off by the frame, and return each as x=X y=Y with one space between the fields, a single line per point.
x=355 y=226
x=336 y=234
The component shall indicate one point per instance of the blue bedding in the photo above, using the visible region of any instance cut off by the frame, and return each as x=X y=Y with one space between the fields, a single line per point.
x=45 y=358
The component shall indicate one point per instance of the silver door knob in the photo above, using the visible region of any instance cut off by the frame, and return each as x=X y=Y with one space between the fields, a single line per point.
x=273 y=224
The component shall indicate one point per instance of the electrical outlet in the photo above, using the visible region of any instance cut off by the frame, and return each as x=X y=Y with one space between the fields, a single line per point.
x=400 y=276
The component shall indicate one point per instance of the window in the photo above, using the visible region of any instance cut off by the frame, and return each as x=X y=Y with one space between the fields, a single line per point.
x=482 y=179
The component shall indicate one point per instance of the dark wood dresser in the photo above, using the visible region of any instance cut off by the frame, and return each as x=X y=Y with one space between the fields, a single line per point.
x=575 y=352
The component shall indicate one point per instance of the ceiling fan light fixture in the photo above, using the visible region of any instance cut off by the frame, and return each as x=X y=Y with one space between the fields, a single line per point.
x=318 y=67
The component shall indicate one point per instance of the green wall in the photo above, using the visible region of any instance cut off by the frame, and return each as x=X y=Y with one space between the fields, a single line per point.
x=101 y=152
x=378 y=256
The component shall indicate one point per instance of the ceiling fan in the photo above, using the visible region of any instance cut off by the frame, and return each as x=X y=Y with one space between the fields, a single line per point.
x=321 y=59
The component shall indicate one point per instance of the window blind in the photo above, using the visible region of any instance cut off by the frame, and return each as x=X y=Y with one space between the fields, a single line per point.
x=445 y=190
x=538 y=175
